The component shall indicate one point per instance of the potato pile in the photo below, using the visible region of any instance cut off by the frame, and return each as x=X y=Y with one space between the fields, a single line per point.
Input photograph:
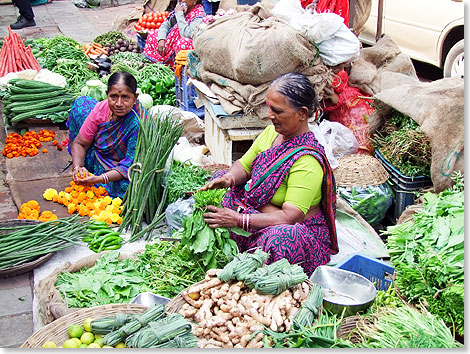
x=228 y=313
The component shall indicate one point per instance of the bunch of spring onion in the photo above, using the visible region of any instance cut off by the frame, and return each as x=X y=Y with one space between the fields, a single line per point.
x=310 y=307
x=108 y=324
x=242 y=265
x=145 y=197
x=153 y=313
x=276 y=277
x=25 y=243
x=173 y=331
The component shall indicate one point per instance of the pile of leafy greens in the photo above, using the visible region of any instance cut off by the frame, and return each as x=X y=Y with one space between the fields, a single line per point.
x=428 y=255
x=184 y=178
x=203 y=242
x=108 y=281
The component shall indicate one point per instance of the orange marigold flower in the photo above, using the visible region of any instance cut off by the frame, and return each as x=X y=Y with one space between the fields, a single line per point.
x=68 y=189
x=44 y=151
x=33 y=205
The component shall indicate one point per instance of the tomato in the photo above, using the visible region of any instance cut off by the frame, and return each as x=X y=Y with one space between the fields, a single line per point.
x=138 y=27
x=152 y=25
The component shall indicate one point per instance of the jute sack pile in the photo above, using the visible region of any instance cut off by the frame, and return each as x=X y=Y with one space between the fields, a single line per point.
x=367 y=72
x=51 y=303
x=241 y=54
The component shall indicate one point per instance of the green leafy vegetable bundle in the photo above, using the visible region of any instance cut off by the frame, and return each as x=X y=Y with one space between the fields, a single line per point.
x=108 y=281
x=202 y=241
x=428 y=255
x=184 y=178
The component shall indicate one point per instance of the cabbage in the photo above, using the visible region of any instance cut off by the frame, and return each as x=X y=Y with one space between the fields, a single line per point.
x=95 y=89
x=146 y=100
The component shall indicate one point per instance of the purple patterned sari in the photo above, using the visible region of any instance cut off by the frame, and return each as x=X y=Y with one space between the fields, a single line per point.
x=309 y=243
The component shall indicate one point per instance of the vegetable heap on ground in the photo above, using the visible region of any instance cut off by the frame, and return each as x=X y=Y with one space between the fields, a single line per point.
x=25 y=243
x=14 y=56
x=405 y=146
x=428 y=255
x=145 y=198
x=31 y=99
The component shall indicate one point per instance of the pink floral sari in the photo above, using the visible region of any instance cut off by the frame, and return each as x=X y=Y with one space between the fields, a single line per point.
x=174 y=42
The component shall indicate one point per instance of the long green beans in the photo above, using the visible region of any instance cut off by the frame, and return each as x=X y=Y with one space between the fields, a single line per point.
x=145 y=197
x=25 y=243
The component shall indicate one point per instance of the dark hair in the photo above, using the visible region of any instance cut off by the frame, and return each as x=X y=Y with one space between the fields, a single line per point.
x=298 y=90
x=124 y=77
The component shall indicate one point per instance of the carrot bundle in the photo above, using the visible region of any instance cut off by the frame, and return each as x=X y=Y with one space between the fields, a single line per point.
x=93 y=49
x=14 y=56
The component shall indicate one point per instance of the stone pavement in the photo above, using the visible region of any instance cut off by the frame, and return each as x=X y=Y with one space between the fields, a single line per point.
x=56 y=17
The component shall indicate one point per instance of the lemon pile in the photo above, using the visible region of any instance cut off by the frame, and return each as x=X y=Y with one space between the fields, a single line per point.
x=82 y=337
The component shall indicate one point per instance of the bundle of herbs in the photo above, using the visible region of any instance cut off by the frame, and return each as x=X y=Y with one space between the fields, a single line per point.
x=406 y=327
x=184 y=178
x=202 y=241
x=404 y=145
x=146 y=198
x=428 y=255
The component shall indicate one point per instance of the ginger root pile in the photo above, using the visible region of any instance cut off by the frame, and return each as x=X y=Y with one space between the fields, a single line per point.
x=227 y=314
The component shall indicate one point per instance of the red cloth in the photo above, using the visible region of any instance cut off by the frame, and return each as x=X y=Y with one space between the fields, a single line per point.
x=340 y=7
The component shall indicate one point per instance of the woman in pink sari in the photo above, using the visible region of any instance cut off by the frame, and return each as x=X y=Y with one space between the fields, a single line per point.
x=175 y=33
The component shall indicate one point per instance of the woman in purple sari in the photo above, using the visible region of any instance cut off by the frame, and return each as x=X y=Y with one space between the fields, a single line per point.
x=282 y=190
x=104 y=135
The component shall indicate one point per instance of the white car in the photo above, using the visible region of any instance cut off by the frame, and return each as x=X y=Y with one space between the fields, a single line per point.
x=431 y=31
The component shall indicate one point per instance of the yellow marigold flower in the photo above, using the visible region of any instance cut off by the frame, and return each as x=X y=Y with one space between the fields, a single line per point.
x=117 y=202
x=71 y=208
x=115 y=218
x=90 y=194
x=62 y=193
x=119 y=221
x=109 y=208
x=49 y=193
x=108 y=199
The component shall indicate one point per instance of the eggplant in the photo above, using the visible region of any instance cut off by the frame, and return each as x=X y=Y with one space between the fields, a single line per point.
x=103 y=72
x=104 y=66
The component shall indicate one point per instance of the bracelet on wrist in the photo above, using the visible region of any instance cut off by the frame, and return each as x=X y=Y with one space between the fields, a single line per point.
x=105 y=178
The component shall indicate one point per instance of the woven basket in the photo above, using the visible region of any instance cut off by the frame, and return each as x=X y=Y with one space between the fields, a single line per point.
x=57 y=331
x=25 y=267
x=357 y=170
x=211 y=169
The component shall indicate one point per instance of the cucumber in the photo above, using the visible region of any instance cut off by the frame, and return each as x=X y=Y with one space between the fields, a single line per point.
x=32 y=114
x=16 y=89
x=25 y=106
x=35 y=96
x=30 y=84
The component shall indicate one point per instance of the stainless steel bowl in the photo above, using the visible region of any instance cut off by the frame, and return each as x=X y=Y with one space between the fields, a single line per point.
x=148 y=299
x=343 y=289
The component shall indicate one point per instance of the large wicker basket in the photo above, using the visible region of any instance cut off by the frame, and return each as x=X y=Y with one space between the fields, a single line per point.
x=27 y=266
x=358 y=170
x=57 y=331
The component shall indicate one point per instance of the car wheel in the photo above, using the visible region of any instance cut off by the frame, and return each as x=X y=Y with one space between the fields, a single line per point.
x=454 y=63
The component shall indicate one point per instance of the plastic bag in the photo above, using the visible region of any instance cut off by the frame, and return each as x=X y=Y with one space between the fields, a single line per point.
x=335 y=41
x=352 y=110
x=337 y=140
x=371 y=202
x=176 y=212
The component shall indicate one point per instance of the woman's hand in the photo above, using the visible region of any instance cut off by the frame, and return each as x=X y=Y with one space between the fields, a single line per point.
x=83 y=177
x=79 y=173
x=161 y=47
x=225 y=181
x=181 y=7
x=220 y=217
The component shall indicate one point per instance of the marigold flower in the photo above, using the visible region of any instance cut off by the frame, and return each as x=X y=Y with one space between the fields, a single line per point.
x=49 y=193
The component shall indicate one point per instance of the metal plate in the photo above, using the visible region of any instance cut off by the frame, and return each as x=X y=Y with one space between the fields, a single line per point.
x=344 y=289
x=148 y=299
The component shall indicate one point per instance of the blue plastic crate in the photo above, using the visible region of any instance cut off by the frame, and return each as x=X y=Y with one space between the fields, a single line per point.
x=185 y=95
x=373 y=269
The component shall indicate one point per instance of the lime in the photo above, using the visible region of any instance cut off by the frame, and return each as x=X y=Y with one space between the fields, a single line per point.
x=87 y=324
x=99 y=341
x=83 y=345
x=87 y=337
x=49 y=344
x=120 y=345
x=77 y=340
x=94 y=345
x=75 y=331
x=70 y=343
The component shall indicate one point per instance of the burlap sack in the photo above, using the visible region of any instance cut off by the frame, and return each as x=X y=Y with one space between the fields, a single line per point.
x=251 y=47
x=385 y=56
x=51 y=304
x=438 y=107
x=361 y=13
